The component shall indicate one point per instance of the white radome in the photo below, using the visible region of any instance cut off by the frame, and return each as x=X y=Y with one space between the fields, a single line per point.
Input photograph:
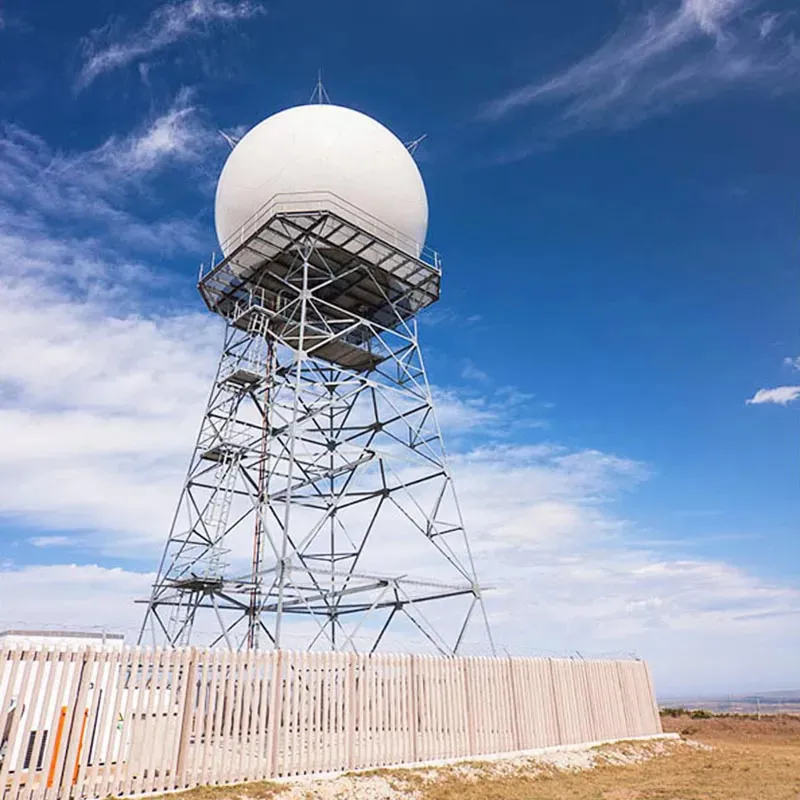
x=327 y=151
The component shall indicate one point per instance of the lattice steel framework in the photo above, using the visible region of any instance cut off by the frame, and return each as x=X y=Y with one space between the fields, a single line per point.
x=319 y=473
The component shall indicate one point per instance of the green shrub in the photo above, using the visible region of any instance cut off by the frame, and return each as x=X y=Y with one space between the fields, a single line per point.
x=674 y=712
x=701 y=713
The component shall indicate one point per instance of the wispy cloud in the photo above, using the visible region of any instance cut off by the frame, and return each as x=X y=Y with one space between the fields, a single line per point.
x=49 y=541
x=75 y=251
x=177 y=135
x=794 y=363
x=470 y=372
x=780 y=395
x=672 y=54
x=166 y=25
x=42 y=189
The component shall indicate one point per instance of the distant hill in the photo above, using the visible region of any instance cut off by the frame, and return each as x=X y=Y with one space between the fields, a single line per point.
x=788 y=695
x=787 y=701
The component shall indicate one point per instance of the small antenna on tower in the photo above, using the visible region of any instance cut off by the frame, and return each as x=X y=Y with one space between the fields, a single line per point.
x=231 y=140
x=319 y=95
x=412 y=146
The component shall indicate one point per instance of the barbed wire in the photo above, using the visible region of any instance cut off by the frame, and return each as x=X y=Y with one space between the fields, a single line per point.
x=468 y=648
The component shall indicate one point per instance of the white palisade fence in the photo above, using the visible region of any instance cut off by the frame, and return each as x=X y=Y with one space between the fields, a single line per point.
x=96 y=722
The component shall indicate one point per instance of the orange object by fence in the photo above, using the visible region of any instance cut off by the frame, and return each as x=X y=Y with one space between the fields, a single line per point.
x=59 y=730
x=80 y=747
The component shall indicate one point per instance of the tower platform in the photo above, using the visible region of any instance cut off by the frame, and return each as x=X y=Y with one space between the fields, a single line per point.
x=363 y=277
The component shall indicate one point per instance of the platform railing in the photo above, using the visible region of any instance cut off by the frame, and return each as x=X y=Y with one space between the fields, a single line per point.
x=321 y=201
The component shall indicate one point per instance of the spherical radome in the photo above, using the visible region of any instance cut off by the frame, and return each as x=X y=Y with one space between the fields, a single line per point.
x=323 y=149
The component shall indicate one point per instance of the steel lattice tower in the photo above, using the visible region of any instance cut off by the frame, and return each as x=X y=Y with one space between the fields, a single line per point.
x=319 y=469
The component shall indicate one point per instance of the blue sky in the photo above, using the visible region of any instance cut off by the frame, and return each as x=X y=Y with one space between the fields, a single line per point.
x=613 y=189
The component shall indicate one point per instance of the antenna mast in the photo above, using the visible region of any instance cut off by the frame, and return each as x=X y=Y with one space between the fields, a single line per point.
x=320 y=94
x=412 y=146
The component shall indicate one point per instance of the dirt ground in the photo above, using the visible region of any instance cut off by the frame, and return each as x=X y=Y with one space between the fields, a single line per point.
x=723 y=758
x=739 y=759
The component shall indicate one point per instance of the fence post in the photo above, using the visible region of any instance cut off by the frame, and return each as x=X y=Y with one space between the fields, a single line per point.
x=26 y=666
x=276 y=694
x=556 y=709
x=626 y=700
x=589 y=679
x=349 y=708
x=190 y=680
x=73 y=742
x=654 y=702
x=415 y=711
x=469 y=711
x=515 y=701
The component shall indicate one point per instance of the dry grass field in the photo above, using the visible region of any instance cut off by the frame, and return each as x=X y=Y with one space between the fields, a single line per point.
x=749 y=759
x=722 y=758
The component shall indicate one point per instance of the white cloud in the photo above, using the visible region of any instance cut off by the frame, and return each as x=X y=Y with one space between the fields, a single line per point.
x=499 y=412
x=175 y=136
x=780 y=395
x=667 y=56
x=101 y=391
x=470 y=372
x=48 y=541
x=107 y=423
x=571 y=574
x=97 y=379
x=86 y=597
x=167 y=25
x=793 y=363
x=44 y=192
x=100 y=405
x=90 y=426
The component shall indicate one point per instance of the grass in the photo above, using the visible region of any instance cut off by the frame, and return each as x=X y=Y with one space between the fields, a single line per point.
x=750 y=760
x=256 y=790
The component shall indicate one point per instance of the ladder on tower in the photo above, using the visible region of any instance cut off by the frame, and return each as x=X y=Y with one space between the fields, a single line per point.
x=218 y=509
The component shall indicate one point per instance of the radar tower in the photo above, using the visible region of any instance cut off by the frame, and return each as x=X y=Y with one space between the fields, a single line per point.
x=319 y=489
